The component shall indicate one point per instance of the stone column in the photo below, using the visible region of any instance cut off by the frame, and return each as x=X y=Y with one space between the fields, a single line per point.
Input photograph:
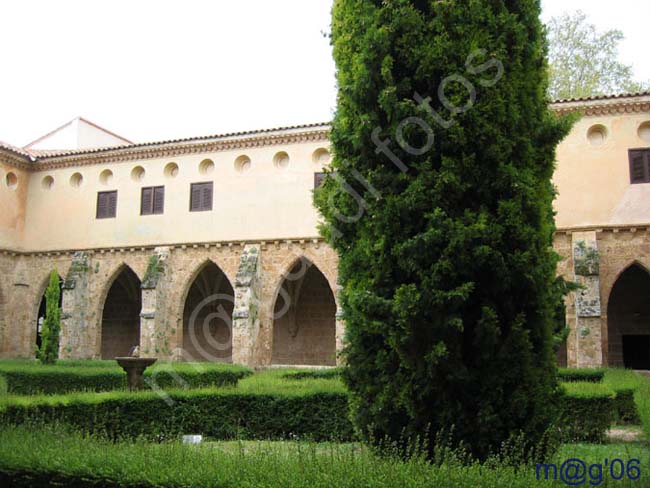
x=340 y=327
x=155 y=328
x=245 y=316
x=78 y=333
x=586 y=338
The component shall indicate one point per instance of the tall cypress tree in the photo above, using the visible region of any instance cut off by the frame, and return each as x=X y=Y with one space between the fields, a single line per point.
x=440 y=210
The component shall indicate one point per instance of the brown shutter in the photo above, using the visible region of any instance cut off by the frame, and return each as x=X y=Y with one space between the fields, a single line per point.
x=206 y=199
x=112 y=204
x=318 y=179
x=637 y=166
x=102 y=202
x=106 y=204
x=146 y=205
x=158 y=205
x=195 y=197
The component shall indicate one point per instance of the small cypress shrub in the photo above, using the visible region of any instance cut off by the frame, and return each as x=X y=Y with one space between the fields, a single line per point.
x=49 y=350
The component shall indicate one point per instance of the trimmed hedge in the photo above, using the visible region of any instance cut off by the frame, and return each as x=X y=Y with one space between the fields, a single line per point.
x=212 y=413
x=594 y=375
x=587 y=412
x=625 y=410
x=30 y=379
x=313 y=374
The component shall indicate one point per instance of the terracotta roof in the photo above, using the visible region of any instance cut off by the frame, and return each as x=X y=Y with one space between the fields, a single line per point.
x=602 y=97
x=16 y=150
x=41 y=154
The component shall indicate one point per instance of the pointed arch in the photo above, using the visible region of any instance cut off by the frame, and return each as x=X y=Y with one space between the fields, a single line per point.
x=120 y=306
x=628 y=318
x=304 y=317
x=208 y=300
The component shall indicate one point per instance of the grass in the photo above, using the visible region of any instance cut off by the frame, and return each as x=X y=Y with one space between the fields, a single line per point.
x=50 y=450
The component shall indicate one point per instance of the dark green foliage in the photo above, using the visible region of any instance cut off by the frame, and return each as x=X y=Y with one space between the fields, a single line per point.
x=49 y=350
x=28 y=379
x=215 y=414
x=313 y=374
x=625 y=410
x=586 y=418
x=593 y=375
x=446 y=266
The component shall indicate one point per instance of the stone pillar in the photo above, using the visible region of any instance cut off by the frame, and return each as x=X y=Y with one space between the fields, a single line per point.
x=586 y=338
x=245 y=316
x=155 y=328
x=20 y=329
x=78 y=333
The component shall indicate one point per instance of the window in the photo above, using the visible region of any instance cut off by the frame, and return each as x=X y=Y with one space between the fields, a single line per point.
x=640 y=165
x=201 y=197
x=153 y=200
x=106 y=204
x=318 y=179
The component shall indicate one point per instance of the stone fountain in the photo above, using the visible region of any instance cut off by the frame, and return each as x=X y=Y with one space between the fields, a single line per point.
x=134 y=367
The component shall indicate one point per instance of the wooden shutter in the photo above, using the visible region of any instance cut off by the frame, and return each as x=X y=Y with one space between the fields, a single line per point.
x=318 y=179
x=146 y=205
x=102 y=204
x=106 y=204
x=640 y=166
x=206 y=197
x=201 y=197
x=158 y=200
x=112 y=204
x=195 y=197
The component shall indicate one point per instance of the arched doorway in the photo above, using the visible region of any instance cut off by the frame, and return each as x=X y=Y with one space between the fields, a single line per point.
x=207 y=317
x=304 y=318
x=628 y=320
x=42 y=309
x=121 y=315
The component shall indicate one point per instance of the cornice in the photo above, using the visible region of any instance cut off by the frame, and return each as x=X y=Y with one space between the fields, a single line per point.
x=302 y=242
x=602 y=107
x=165 y=150
x=15 y=160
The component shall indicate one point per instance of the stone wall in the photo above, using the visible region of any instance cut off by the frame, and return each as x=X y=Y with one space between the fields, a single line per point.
x=252 y=274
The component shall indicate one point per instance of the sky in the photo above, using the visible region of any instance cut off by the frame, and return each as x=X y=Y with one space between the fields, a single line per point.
x=156 y=70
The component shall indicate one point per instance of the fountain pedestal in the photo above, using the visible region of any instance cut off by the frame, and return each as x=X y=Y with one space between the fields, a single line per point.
x=134 y=368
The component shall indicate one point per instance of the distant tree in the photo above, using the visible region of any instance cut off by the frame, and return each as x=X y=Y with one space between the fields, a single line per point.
x=49 y=350
x=584 y=62
x=440 y=207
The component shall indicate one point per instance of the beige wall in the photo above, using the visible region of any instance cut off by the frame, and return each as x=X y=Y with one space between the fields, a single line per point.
x=12 y=207
x=593 y=181
x=265 y=202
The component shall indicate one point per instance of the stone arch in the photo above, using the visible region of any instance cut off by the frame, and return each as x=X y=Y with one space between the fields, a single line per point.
x=207 y=304
x=628 y=318
x=304 y=317
x=121 y=304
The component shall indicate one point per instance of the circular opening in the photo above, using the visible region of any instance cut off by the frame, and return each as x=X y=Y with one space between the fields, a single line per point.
x=11 y=180
x=206 y=167
x=137 y=173
x=76 y=180
x=47 y=183
x=106 y=176
x=281 y=160
x=321 y=156
x=243 y=163
x=171 y=170
x=644 y=131
x=597 y=135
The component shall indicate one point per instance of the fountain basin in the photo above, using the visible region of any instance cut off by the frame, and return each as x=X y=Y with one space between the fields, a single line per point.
x=134 y=368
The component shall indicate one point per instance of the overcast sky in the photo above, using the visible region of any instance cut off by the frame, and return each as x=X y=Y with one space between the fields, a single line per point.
x=155 y=70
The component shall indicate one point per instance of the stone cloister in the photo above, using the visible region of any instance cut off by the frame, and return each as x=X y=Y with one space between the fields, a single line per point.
x=257 y=303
